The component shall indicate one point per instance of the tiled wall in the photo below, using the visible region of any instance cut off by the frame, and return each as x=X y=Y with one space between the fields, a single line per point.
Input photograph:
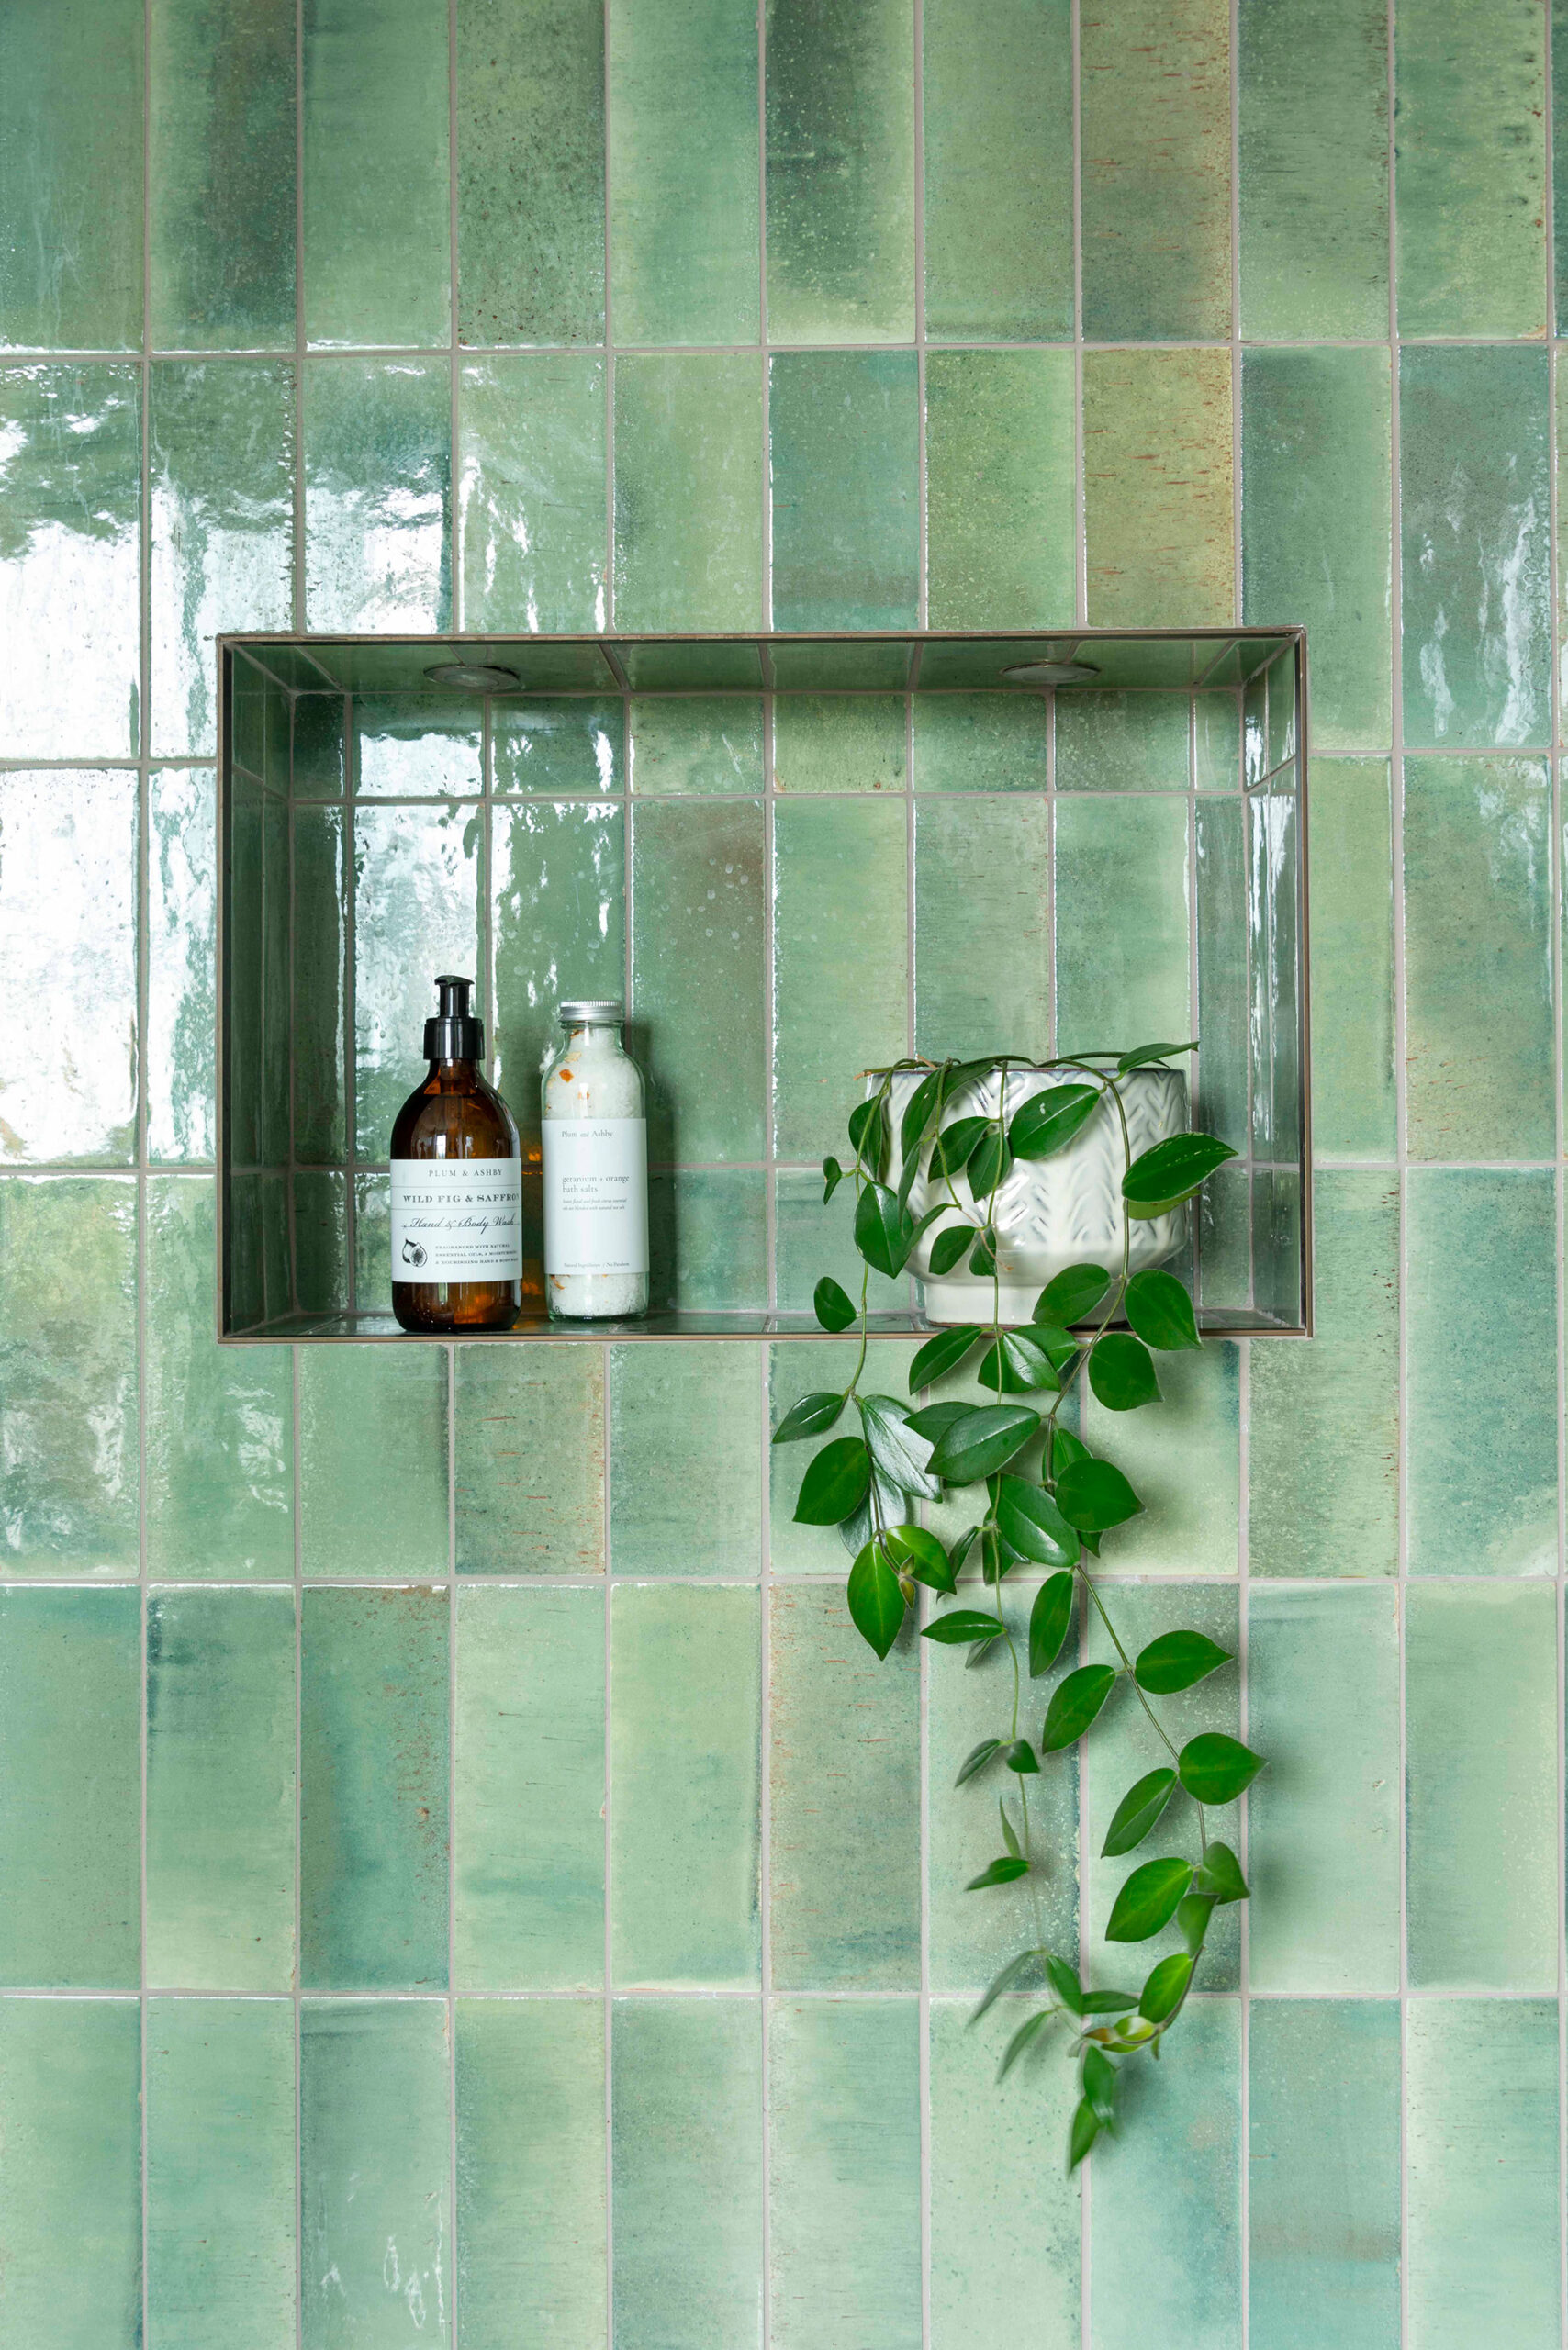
x=320 y=1844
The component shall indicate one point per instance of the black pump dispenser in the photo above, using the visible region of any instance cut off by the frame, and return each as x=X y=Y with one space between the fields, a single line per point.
x=456 y=1034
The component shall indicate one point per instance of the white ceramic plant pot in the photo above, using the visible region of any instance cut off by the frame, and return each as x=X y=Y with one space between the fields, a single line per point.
x=1050 y=1212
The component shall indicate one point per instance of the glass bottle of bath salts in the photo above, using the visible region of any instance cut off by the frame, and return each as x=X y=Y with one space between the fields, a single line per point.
x=596 y=1171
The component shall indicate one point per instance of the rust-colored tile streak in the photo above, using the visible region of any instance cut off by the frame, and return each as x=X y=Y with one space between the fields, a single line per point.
x=1159 y=466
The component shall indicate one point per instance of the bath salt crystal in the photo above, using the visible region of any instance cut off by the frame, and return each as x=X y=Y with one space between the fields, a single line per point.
x=596 y=1171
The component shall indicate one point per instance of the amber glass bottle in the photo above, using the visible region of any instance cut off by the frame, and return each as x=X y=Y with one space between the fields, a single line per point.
x=456 y=1185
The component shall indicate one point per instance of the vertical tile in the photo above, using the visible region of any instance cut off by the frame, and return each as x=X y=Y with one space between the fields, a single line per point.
x=71 y=2171
x=1121 y=922
x=69 y=601
x=683 y=211
x=221 y=147
x=416 y=877
x=688 y=491
x=416 y=747
x=1123 y=742
x=528 y=1893
x=377 y=246
x=687 y=2188
x=686 y=1466
x=1155 y=107
x=846 y=2176
x=981 y=872
x=1470 y=173
x=1350 y=824
x=980 y=741
x=709 y=1237
x=841 y=944
x=1157 y=462
x=220 y=1697
x=373 y=1444
x=685 y=1715
x=1481 y=2153
x=530 y=1460
x=1323 y=1820
x=531 y=492
x=689 y=742
x=1481 y=1710
x=318 y=985
x=698 y=980
x=70 y=1737
x=845 y=1738
x=221 y=2215
x=844 y=444
x=1317 y=524
x=182 y=1000
x=1000 y=489
x=998 y=157
x=319 y=751
x=1481 y=1412
x=1184 y=1462
x=840 y=170
x=530 y=2202
x=378 y=436
x=530 y=127
x=850 y=741
x=1323 y=2170
x=374 y=1824
x=574 y=745
x=1473 y=475
x=376 y=2172
x=70 y=178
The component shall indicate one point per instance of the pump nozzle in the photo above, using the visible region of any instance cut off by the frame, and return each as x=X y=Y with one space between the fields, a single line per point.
x=456 y=1033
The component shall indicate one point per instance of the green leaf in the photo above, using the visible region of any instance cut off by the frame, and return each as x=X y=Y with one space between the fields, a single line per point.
x=1073 y=1295
x=1009 y=1833
x=1148 y=1900
x=1074 y=1704
x=884 y=1232
x=1215 y=1769
x=976 y=1758
x=876 y=1599
x=1016 y=1970
x=934 y=1420
x=1061 y=1344
x=921 y=1555
x=1142 y=1055
x=951 y=1150
x=1020 y=1757
x=1032 y=1524
x=963 y=1624
x=1085 y=2129
x=1064 y=1450
x=1100 y=2083
x=811 y=1416
x=991 y=1163
x=1193 y=1916
x=1006 y=1870
x=1028 y=2032
x=1138 y=1811
x=1048 y=1122
x=1176 y=1659
x=1049 y=1619
x=1219 y=1874
x=836 y=1482
x=1121 y=1372
x=1016 y=1362
x=917 y=1113
x=832 y=1176
x=1063 y=1980
x=834 y=1310
x=983 y=1256
x=1108 y=2003
x=941 y=1354
x=871 y=1133
x=949 y=1246
x=1167 y=1982
x=1162 y=1177
x=985 y=1438
x=1094 y=1496
x=1158 y=1306
x=897 y=1453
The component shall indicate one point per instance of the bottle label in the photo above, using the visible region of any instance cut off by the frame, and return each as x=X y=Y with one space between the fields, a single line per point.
x=457 y=1219
x=596 y=1195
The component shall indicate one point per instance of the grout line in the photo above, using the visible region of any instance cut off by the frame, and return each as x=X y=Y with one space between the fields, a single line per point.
x=607 y=593
x=764 y=1811
x=922 y=485
x=299 y=341
x=142 y=923
x=1079 y=467
x=299 y=1968
x=607 y=1994
x=454 y=474
x=453 y=1616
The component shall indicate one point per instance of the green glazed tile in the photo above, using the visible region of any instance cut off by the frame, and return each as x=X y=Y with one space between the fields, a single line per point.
x=373 y=1443
x=416 y=745
x=1323 y=2171
x=1482 y=1405
x=1156 y=112
x=1123 y=742
x=182 y=910
x=378 y=436
x=801 y=1368
x=577 y=746
x=70 y=472
x=1280 y=677
x=1121 y=920
x=1220 y=913
x=1004 y=2215
x=67 y=913
x=1216 y=742
x=845 y=1737
x=70 y=178
x=1314 y=163
x=1353 y=1107
x=531 y=492
x=318 y=753
x=71 y=2172
x=70 y=1735
x=841 y=941
x=529 y=133
x=372 y=1238
x=528 y=1894
x=998 y=154
x=67 y=1381
x=320 y=1240
x=840 y=742
x=684 y=210
x=840 y=172
x=1473 y=470
x=530 y=2202
x=319 y=989
x=375 y=2174
x=1324 y=1447
x=845 y=2126
x=373 y=1764
x=221 y=1694
x=1478 y=957
x=1471 y=168
x=377 y=229
x=221 y=2212
x=416 y=876
x=686 y=1458
x=688 y=491
x=530 y=1447
x=1483 y=2166
x=813 y=1237
x=1323 y=1820
x=1317 y=527
x=708 y=1233
x=843 y=438
x=221 y=148
x=684 y=1722
x=982 y=953
x=688 y=2177
x=844 y=665
x=1157 y=460
x=980 y=741
x=689 y=742
x=1183 y=1460
x=1480 y=1705
x=698 y=987
x=674 y=666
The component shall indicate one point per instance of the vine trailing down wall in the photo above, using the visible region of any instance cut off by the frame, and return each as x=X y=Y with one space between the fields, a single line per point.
x=1052 y=1513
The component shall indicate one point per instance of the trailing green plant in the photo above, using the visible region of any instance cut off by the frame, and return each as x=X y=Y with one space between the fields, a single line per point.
x=1049 y=1501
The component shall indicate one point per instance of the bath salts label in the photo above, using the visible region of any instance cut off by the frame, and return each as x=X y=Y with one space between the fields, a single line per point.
x=457 y=1219
x=596 y=1195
